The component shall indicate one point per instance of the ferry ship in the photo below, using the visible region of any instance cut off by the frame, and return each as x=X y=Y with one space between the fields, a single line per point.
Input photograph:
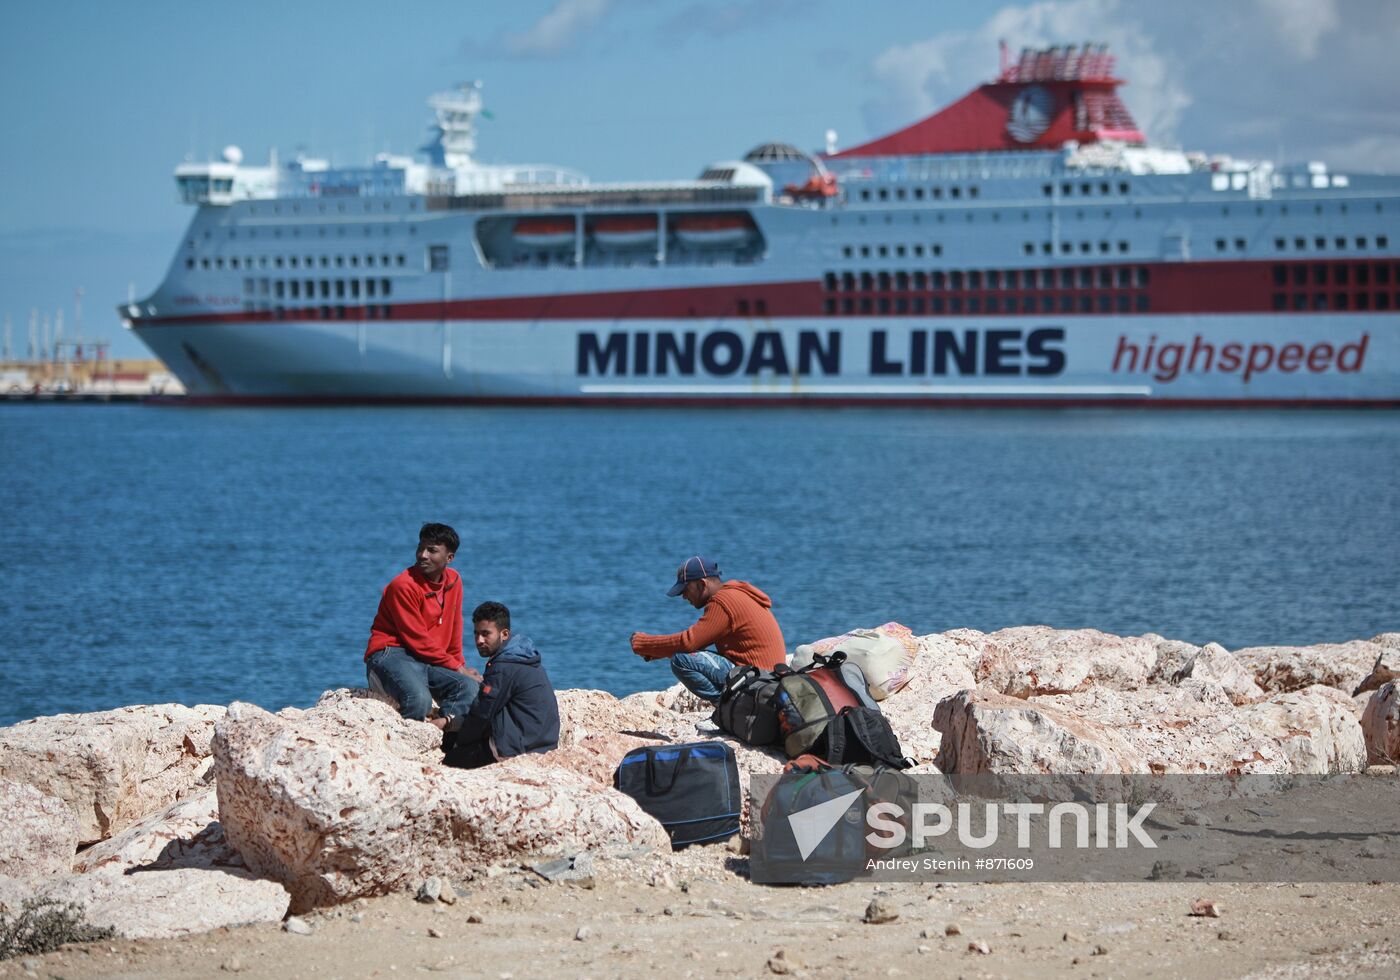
x=1025 y=245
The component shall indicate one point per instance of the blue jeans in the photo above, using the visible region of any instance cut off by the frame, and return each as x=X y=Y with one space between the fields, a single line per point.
x=414 y=684
x=702 y=673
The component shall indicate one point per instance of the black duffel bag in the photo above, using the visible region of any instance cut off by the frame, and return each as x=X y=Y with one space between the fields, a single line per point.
x=748 y=707
x=692 y=789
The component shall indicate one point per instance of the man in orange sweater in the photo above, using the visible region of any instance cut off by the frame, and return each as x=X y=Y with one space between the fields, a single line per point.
x=738 y=620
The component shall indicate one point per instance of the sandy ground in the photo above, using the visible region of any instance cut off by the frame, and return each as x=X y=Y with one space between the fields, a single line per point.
x=697 y=916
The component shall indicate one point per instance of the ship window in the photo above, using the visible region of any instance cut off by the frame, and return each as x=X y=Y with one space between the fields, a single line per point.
x=1239 y=244
x=1086 y=304
x=247 y=287
x=401 y=259
x=956 y=280
x=384 y=288
x=918 y=251
x=279 y=289
x=218 y=263
x=921 y=280
x=1123 y=187
x=865 y=304
x=884 y=282
x=830 y=281
x=899 y=251
x=1122 y=303
x=884 y=194
x=846 y=251
x=1105 y=304
x=1066 y=278
x=1104 y=247
x=1086 y=188
x=937 y=280
x=974 y=304
x=189 y=263
x=1339 y=300
x=1048 y=189
x=369 y=287
x=355 y=261
x=1280 y=275
x=1086 y=278
x=829 y=306
x=369 y=261
x=340 y=312
x=936 y=249
x=1300 y=242
x=973 y=191
x=1104 y=188
x=1300 y=301
x=918 y=304
x=233 y=263
x=1066 y=248
x=325 y=288
x=901 y=305
x=1361 y=241
x=1280 y=301
x=354 y=289
x=325 y=262
x=1320 y=301
x=848 y=281
x=993 y=279
x=1280 y=244
x=992 y=304
x=974 y=280
x=1382 y=241
x=743 y=307
x=865 y=194
x=937 y=193
x=1382 y=274
x=340 y=261
x=1028 y=248
x=1363 y=275
x=1141 y=303
x=1066 y=190
x=1085 y=247
x=1382 y=301
x=884 y=251
x=294 y=287
x=1220 y=244
x=955 y=304
x=918 y=193
x=1341 y=275
x=1012 y=279
x=901 y=281
x=1105 y=278
x=437 y=258
x=899 y=194
x=1124 y=278
x=865 y=251
x=1320 y=275
x=340 y=289
x=867 y=281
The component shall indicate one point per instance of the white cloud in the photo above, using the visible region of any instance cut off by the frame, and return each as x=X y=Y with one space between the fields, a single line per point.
x=923 y=75
x=558 y=29
x=1300 y=24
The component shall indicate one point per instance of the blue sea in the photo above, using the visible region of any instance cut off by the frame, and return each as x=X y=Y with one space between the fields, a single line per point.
x=158 y=554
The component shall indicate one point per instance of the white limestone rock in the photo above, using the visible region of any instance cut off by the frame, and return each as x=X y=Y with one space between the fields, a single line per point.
x=38 y=834
x=158 y=904
x=1380 y=725
x=186 y=834
x=112 y=767
x=1341 y=665
x=337 y=811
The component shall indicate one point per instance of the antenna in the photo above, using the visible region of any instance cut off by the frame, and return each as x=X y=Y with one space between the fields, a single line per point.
x=58 y=336
x=33 y=332
x=44 y=351
x=7 y=337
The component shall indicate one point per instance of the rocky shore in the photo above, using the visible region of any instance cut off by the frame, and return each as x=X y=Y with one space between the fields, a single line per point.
x=164 y=821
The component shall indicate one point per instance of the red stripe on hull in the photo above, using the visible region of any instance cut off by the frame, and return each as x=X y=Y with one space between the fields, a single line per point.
x=1172 y=288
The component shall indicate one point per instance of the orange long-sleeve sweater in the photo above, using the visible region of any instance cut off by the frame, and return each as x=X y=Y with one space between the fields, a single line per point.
x=738 y=620
x=425 y=618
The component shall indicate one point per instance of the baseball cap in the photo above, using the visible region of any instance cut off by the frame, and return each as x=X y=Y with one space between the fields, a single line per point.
x=692 y=569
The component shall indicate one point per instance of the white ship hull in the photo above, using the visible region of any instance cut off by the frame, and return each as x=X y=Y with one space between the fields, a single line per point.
x=1168 y=360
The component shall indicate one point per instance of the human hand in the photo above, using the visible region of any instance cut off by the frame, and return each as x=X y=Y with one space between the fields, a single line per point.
x=469 y=672
x=439 y=723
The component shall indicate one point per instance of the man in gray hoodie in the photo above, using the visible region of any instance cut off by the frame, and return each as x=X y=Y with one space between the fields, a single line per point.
x=516 y=711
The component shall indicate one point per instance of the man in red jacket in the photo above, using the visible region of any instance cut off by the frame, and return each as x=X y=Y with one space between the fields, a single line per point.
x=415 y=644
x=738 y=620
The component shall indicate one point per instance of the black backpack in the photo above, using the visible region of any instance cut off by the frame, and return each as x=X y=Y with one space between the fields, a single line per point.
x=692 y=789
x=861 y=736
x=747 y=707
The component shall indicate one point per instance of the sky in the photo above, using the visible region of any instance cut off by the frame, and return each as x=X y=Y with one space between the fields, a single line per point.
x=99 y=100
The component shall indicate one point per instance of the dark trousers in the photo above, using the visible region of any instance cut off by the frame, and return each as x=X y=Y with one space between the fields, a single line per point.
x=469 y=755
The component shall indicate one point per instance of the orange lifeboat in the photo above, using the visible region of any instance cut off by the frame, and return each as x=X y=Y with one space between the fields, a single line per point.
x=816 y=187
x=713 y=230
x=544 y=232
x=625 y=230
